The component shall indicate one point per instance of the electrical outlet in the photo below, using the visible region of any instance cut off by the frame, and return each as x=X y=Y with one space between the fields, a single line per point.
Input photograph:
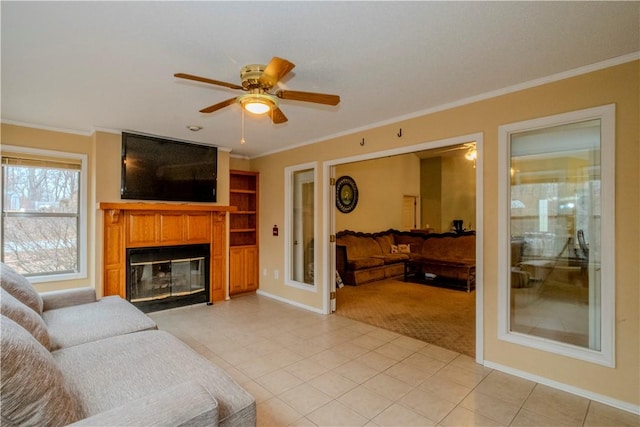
x=276 y=274
x=265 y=272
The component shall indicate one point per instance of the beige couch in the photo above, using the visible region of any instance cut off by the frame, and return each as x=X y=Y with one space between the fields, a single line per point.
x=366 y=257
x=67 y=358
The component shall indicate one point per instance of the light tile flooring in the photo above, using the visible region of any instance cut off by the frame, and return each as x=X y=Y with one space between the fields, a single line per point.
x=307 y=369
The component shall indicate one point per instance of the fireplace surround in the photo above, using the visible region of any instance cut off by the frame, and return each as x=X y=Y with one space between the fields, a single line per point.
x=144 y=225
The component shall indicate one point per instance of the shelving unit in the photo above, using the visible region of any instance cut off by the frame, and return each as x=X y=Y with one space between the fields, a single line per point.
x=243 y=232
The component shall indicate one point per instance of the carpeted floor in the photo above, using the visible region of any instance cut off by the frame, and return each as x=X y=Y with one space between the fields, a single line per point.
x=437 y=315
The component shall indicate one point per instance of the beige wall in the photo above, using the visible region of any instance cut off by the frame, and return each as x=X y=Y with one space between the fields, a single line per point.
x=448 y=192
x=619 y=85
x=431 y=193
x=458 y=191
x=381 y=183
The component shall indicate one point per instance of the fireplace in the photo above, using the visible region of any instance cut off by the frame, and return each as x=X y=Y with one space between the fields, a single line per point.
x=167 y=276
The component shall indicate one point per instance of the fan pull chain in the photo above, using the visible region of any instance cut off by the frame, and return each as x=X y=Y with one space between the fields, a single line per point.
x=242 y=141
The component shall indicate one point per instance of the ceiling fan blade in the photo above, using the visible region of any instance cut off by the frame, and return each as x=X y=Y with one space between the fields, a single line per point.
x=276 y=70
x=277 y=116
x=318 y=98
x=206 y=80
x=218 y=106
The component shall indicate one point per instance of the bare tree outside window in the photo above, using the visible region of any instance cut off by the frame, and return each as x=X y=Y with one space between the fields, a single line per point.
x=40 y=216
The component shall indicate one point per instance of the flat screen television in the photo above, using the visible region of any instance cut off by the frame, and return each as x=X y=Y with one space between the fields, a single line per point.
x=161 y=169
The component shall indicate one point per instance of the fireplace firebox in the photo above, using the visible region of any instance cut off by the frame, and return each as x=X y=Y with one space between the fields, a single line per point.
x=159 y=278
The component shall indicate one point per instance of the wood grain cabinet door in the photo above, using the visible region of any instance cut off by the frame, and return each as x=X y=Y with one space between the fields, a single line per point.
x=236 y=271
x=251 y=268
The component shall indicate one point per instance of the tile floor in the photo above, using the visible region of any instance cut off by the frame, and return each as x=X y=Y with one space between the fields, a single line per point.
x=307 y=369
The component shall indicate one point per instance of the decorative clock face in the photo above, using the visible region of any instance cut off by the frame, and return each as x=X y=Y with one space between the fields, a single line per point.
x=346 y=194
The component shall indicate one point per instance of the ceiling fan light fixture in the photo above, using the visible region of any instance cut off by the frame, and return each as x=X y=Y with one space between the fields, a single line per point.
x=258 y=103
x=256 y=107
x=472 y=154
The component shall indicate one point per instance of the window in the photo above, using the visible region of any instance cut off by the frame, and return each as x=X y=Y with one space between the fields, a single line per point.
x=43 y=213
x=300 y=226
x=557 y=242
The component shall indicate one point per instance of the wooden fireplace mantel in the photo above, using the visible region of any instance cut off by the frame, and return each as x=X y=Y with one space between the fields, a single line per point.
x=138 y=224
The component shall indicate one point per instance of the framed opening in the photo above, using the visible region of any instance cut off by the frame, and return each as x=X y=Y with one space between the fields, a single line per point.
x=557 y=234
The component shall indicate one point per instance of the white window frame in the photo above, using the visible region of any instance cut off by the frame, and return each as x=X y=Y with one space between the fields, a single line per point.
x=82 y=208
x=288 y=228
x=606 y=355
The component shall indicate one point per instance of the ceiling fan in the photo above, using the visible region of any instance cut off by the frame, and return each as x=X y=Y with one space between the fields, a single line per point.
x=258 y=81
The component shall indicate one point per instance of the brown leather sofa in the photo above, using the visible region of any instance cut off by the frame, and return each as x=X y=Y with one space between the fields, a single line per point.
x=368 y=257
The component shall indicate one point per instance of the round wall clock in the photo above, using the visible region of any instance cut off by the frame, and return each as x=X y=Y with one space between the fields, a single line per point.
x=346 y=194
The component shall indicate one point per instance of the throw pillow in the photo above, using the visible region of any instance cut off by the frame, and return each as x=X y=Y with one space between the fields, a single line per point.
x=25 y=317
x=394 y=249
x=18 y=286
x=404 y=248
x=32 y=388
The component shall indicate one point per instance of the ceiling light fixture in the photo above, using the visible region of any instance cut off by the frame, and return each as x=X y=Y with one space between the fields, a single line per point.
x=258 y=103
x=194 y=128
x=472 y=154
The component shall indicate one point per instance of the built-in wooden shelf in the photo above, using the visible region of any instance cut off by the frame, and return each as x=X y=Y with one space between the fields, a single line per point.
x=243 y=232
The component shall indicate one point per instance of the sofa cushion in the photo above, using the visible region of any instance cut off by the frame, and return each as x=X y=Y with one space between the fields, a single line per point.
x=145 y=363
x=25 y=317
x=360 y=246
x=83 y=323
x=367 y=262
x=32 y=388
x=386 y=243
x=18 y=286
x=197 y=408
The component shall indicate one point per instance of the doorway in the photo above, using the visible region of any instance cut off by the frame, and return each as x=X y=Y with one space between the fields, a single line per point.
x=442 y=145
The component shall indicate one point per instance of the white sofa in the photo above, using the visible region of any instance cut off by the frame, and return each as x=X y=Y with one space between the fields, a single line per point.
x=68 y=358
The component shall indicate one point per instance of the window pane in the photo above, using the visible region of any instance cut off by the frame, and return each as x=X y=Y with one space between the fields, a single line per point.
x=40 y=217
x=40 y=189
x=555 y=214
x=41 y=245
x=303 y=227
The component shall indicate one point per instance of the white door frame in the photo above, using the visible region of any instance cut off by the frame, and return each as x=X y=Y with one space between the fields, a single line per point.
x=328 y=222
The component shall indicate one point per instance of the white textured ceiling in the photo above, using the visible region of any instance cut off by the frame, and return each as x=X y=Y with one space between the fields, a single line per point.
x=109 y=65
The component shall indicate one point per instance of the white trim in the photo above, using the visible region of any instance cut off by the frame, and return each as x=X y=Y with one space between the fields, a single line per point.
x=606 y=355
x=625 y=406
x=83 y=260
x=479 y=162
x=469 y=100
x=288 y=301
x=288 y=221
x=328 y=221
x=329 y=267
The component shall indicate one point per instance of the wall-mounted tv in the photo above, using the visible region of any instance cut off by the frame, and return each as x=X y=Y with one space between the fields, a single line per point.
x=161 y=169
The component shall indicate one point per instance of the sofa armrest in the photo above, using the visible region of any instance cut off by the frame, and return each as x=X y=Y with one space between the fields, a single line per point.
x=67 y=298
x=188 y=403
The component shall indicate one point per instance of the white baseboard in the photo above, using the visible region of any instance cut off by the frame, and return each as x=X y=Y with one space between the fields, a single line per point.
x=288 y=301
x=625 y=406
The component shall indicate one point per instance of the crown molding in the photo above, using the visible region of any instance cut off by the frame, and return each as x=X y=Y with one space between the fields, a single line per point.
x=612 y=62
